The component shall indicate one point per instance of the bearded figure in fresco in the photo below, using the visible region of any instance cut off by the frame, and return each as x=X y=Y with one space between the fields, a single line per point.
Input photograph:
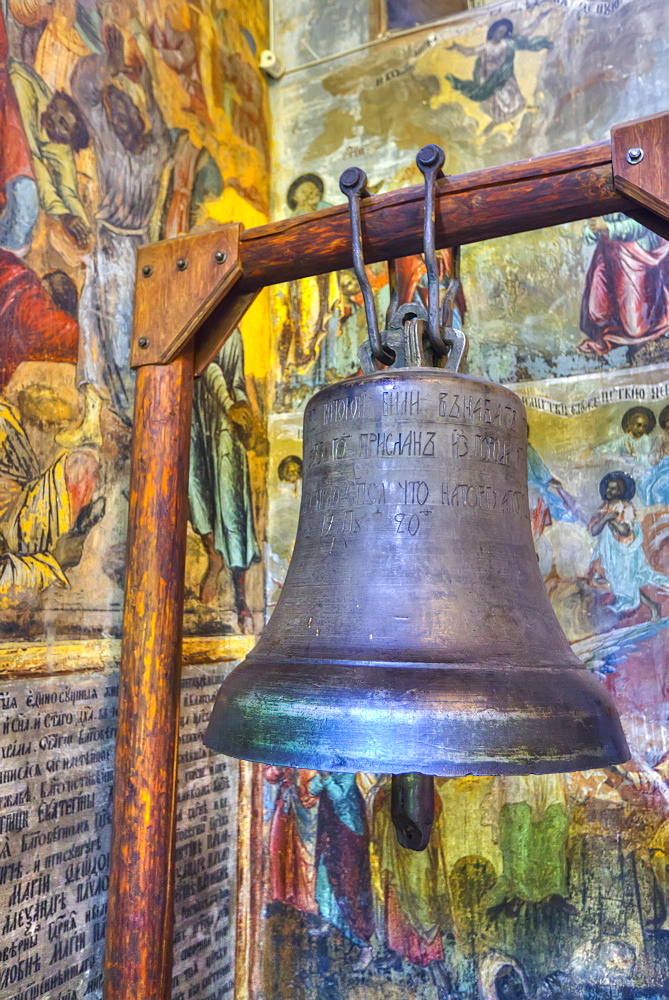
x=305 y=306
x=653 y=486
x=56 y=130
x=494 y=85
x=626 y=295
x=619 y=548
x=132 y=147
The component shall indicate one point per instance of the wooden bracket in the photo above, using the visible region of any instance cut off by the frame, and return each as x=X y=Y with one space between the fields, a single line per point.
x=639 y=157
x=179 y=283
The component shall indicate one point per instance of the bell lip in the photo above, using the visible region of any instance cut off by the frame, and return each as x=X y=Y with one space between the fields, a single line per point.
x=476 y=722
x=486 y=769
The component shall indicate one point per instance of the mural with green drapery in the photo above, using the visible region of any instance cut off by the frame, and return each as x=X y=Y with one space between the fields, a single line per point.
x=533 y=887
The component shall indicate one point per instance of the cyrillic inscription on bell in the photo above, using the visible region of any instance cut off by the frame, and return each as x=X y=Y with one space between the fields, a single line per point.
x=414 y=632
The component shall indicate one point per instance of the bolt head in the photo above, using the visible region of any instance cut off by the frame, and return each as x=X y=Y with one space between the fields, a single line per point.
x=353 y=181
x=182 y=264
x=147 y=270
x=635 y=155
x=430 y=156
x=143 y=342
x=220 y=257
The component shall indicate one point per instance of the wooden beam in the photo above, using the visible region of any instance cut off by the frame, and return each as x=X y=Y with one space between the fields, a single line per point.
x=498 y=201
x=138 y=950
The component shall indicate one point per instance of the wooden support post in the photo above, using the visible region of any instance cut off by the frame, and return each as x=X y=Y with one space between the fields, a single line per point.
x=138 y=958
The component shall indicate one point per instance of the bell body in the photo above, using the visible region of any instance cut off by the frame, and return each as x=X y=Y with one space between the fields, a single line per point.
x=413 y=631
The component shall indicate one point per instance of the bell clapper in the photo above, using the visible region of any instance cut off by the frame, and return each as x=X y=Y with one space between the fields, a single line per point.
x=412 y=809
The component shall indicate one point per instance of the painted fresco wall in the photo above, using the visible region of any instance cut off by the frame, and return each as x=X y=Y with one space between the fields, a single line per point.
x=121 y=124
x=552 y=887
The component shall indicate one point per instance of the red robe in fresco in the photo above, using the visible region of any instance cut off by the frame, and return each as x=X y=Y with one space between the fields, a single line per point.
x=15 y=158
x=626 y=298
x=292 y=839
x=31 y=327
x=410 y=271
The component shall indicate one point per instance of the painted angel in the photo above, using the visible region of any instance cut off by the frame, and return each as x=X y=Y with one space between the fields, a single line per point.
x=494 y=85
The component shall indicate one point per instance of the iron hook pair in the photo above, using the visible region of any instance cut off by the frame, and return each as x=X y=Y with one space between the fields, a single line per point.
x=353 y=183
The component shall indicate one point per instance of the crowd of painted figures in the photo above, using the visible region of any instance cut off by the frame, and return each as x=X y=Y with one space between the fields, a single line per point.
x=104 y=111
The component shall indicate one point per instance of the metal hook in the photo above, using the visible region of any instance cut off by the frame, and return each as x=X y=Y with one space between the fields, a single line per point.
x=353 y=183
x=430 y=160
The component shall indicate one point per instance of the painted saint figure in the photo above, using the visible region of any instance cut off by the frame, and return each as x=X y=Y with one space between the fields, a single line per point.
x=55 y=130
x=46 y=508
x=494 y=85
x=653 y=486
x=219 y=490
x=411 y=900
x=292 y=839
x=638 y=423
x=626 y=295
x=619 y=548
x=343 y=879
x=308 y=302
x=132 y=147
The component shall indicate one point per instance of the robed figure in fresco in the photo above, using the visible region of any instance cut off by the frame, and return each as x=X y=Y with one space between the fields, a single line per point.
x=619 y=547
x=343 y=879
x=219 y=491
x=132 y=147
x=494 y=85
x=46 y=508
x=292 y=839
x=626 y=296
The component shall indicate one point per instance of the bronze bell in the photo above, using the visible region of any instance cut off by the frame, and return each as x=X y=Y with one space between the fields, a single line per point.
x=413 y=631
x=413 y=635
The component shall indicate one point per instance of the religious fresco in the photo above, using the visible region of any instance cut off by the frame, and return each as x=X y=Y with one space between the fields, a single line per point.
x=534 y=887
x=121 y=124
x=307 y=32
x=502 y=83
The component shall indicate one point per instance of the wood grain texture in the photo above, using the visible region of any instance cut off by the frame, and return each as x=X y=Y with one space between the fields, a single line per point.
x=171 y=302
x=138 y=956
x=647 y=181
x=218 y=326
x=497 y=201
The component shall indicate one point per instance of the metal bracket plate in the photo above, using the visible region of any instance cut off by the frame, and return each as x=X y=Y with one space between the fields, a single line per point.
x=179 y=283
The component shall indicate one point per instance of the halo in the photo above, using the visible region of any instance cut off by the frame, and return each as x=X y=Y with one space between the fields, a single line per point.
x=632 y=412
x=624 y=477
x=302 y=179
x=496 y=24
